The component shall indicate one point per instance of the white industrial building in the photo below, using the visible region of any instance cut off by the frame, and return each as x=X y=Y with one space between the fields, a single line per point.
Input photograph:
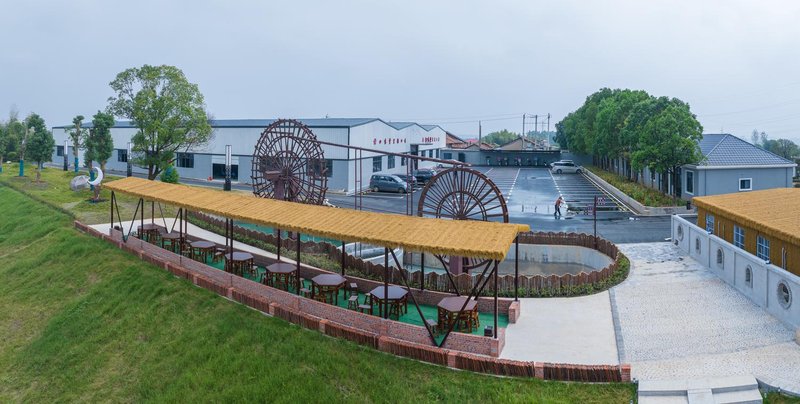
x=208 y=162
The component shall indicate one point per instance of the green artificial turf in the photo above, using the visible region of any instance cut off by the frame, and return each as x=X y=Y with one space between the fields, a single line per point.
x=84 y=321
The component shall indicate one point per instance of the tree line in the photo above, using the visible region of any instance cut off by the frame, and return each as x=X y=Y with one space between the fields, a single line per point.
x=634 y=130
x=23 y=139
x=782 y=147
x=167 y=109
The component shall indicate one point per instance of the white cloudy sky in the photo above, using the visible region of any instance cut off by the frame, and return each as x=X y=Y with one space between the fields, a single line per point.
x=736 y=62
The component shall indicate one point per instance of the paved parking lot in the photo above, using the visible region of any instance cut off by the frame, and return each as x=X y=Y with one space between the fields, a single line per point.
x=579 y=192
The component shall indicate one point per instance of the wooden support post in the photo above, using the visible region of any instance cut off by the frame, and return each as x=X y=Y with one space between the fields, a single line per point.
x=385 y=282
x=516 y=268
x=297 y=278
x=495 y=299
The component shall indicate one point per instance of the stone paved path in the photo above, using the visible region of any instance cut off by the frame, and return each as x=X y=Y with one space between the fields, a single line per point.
x=676 y=319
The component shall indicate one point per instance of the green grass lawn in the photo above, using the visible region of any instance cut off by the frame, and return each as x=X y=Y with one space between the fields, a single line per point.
x=54 y=189
x=84 y=321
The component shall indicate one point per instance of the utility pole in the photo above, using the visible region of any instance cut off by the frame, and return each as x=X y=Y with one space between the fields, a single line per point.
x=480 y=135
x=548 y=122
x=523 y=124
x=535 y=121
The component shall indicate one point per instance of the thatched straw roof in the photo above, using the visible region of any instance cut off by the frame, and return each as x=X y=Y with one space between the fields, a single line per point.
x=490 y=240
x=774 y=212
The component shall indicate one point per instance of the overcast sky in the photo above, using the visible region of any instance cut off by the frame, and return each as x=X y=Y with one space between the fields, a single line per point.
x=737 y=63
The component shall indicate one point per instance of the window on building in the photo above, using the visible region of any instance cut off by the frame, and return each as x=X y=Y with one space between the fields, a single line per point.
x=328 y=168
x=762 y=248
x=185 y=160
x=748 y=276
x=738 y=236
x=448 y=156
x=390 y=162
x=430 y=153
x=377 y=164
x=745 y=184
x=784 y=295
x=689 y=182
x=218 y=171
x=784 y=256
x=60 y=151
x=720 y=258
x=122 y=155
x=402 y=161
x=709 y=223
x=437 y=153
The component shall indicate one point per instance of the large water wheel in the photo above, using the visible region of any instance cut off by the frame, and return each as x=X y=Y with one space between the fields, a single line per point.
x=288 y=164
x=461 y=193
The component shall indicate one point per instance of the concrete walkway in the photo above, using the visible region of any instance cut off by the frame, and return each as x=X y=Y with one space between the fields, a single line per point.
x=677 y=320
x=576 y=330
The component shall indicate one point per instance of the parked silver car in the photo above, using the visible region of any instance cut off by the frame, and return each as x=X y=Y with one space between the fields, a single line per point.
x=565 y=167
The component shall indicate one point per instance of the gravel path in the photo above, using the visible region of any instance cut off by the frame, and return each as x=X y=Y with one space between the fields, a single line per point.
x=676 y=319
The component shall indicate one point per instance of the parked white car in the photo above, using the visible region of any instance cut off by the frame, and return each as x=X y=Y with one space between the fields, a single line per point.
x=565 y=167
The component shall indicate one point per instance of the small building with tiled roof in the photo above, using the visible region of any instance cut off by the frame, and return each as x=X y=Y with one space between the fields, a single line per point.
x=732 y=165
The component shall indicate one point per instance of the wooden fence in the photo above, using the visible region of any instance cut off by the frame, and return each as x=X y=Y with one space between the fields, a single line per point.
x=529 y=285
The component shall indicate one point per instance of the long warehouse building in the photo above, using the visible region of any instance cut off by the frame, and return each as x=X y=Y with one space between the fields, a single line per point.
x=208 y=162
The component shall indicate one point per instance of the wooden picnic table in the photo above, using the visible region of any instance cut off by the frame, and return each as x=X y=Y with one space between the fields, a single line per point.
x=327 y=285
x=150 y=232
x=173 y=240
x=397 y=296
x=449 y=310
x=238 y=262
x=281 y=273
x=202 y=249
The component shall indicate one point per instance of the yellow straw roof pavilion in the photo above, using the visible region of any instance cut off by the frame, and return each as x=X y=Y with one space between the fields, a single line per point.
x=488 y=240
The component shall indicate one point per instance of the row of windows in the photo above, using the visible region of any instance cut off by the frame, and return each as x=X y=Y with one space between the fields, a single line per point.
x=762 y=243
x=377 y=161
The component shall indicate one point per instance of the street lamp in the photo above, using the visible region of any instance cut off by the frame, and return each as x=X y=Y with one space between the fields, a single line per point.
x=128 y=159
x=227 y=186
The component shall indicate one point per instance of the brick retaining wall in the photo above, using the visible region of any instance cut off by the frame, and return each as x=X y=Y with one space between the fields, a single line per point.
x=462 y=351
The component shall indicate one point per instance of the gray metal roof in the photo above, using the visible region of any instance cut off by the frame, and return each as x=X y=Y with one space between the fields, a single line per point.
x=400 y=125
x=727 y=150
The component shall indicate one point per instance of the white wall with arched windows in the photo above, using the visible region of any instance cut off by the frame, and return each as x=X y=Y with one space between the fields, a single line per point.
x=769 y=286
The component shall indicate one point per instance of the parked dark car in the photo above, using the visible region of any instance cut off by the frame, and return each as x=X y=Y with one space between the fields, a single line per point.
x=424 y=175
x=387 y=183
x=409 y=179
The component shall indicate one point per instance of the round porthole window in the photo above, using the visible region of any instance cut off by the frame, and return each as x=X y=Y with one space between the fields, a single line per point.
x=697 y=245
x=680 y=233
x=784 y=294
x=720 y=258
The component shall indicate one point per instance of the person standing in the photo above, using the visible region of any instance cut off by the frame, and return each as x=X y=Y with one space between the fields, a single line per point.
x=559 y=201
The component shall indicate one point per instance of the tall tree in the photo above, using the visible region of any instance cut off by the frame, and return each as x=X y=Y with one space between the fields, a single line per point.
x=168 y=110
x=500 y=137
x=76 y=134
x=669 y=139
x=99 y=144
x=40 y=144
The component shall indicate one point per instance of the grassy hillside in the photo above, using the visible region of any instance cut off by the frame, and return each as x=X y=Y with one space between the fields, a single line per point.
x=82 y=320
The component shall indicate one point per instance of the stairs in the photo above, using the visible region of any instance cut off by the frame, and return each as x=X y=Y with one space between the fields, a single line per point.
x=732 y=389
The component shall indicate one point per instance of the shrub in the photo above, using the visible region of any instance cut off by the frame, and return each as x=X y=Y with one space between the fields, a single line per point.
x=170 y=175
